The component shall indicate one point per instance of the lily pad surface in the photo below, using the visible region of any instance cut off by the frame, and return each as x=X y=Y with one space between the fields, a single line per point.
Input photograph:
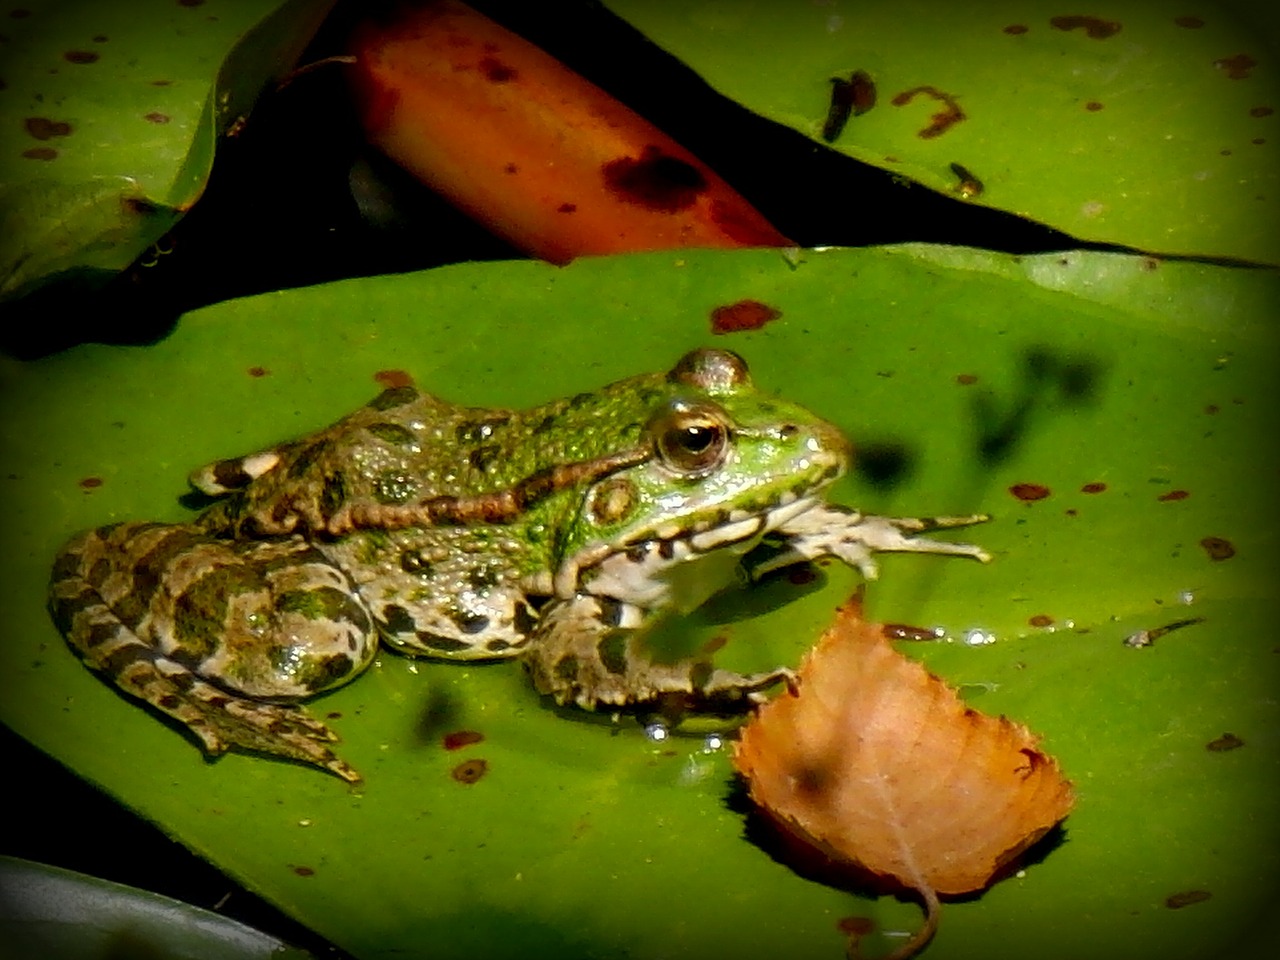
x=1149 y=125
x=1114 y=414
x=112 y=112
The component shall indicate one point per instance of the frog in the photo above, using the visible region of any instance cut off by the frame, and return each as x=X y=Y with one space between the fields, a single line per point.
x=557 y=535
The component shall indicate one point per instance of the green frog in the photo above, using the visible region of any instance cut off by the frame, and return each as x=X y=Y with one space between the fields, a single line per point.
x=552 y=535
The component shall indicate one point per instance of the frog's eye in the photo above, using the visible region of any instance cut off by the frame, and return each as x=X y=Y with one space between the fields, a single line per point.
x=692 y=442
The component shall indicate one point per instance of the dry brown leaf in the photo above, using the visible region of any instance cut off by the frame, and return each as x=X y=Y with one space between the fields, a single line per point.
x=878 y=763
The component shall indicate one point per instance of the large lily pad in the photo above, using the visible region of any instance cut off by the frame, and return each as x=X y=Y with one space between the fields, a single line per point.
x=1140 y=395
x=1144 y=124
x=112 y=112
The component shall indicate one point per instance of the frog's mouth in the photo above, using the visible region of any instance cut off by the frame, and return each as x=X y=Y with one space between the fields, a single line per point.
x=643 y=555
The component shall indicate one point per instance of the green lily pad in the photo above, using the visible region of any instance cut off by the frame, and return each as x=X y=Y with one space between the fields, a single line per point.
x=112 y=113
x=1148 y=125
x=1135 y=399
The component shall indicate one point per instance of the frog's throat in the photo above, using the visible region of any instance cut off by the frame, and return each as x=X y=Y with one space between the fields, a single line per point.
x=499 y=506
x=740 y=526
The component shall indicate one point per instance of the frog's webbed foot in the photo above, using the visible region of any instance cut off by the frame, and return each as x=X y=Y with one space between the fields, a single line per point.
x=585 y=652
x=853 y=537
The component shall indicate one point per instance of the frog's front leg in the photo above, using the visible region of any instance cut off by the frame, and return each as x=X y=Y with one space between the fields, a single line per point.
x=828 y=530
x=219 y=635
x=587 y=650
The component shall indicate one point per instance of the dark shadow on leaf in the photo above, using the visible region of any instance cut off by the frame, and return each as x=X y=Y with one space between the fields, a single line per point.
x=884 y=465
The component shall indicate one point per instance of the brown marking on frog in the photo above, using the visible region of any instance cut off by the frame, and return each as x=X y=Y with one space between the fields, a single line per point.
x=940 y=122
x=1218 y=548
x=1029 y=491
x=1238 y=67
x=1095 y=28
x=1228 y=741
x=42 y=128
x=743 y=315
x=1173 y=496
x=656 y=180
x=470 y=771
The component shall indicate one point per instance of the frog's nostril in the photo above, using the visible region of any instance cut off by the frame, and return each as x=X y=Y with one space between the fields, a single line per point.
x=788 y=430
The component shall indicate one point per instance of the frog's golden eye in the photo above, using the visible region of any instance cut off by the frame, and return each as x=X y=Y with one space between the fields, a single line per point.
x=693 y=442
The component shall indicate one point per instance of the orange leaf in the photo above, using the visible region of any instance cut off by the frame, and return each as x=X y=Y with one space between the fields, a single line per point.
x=878 y=763
x=538 y=154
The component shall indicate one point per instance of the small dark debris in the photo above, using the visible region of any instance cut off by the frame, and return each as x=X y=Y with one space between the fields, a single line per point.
x=1191 y=23
x=655 y=180
x=495 y=71
x=461 y=738
x=1260 y=111
x=1228 y=741
x=91 y=483
x=304 y=871
x=1095 y=28
x=743 y=315
x=1186 y=898
x=969 y=185
x=966 y=379
x=80 y=56
x=1211 y=408
x=904 y=631
x=100 y=38
x=1041 y=620
x=393 y=379
x=1145 y=638
x=333 y=715
x=1029 y=491
x=258 y=372
x=40 y=153
x=42 y=128
x=567 y=208
x=1173 y=495
x=1016 y=29
x=1093 y=106
x=155 y=116
x=469 y=771
x=1095 y=487
x=190 y=3
x=1218 y=548
x=852 y=97
x=1238 y=67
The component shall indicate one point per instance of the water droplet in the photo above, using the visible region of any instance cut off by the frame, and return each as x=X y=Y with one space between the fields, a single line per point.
x=712 y=743
x=656 y=731
x=978 y=637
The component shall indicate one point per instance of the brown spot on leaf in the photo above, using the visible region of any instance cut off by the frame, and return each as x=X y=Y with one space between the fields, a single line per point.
x=190 y=3
x=460 y=738
x=743 y=315
x=1093 y=106
x=393 y=379
x=1211 y=408
x=1016 y=29
x=1257 y=141
x=80 y=56
x=510 y=168
x=91 y=483
x=258 y=372
x=1218 y=548
x=495 y=71
x=567 y=208
x=1238 y=67
x=1095 y=487
x=161 y=83
x=1228 y=741
x=1260 y=111
x=469 y=771
x=966 y=379
x=1095 y=28
x=1029 y=491
x=1186 y=898
x=100 y=38
x=1191 y=23
x=42 y=128
x=658 y=181
x=304 y=871
x=904 y=631
x=940 y=122
x=156 y=116
x=40 y=153
x=1173 y=495
x=1041 y=620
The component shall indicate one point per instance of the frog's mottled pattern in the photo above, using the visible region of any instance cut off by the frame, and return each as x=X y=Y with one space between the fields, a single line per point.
x=552 y=534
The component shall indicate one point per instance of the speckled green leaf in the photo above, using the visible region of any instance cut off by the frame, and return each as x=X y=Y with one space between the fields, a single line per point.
x=111 y=113
x=1161 y=135
x=1142 y=397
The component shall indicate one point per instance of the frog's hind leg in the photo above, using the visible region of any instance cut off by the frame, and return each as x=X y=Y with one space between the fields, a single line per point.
x=586 y=651
x=129 y=601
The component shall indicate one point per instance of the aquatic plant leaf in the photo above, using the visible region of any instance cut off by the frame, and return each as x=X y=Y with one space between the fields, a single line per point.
x=877 y=762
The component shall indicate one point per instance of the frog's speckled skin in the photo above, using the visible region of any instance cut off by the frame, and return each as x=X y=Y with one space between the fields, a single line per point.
x=551 y=534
